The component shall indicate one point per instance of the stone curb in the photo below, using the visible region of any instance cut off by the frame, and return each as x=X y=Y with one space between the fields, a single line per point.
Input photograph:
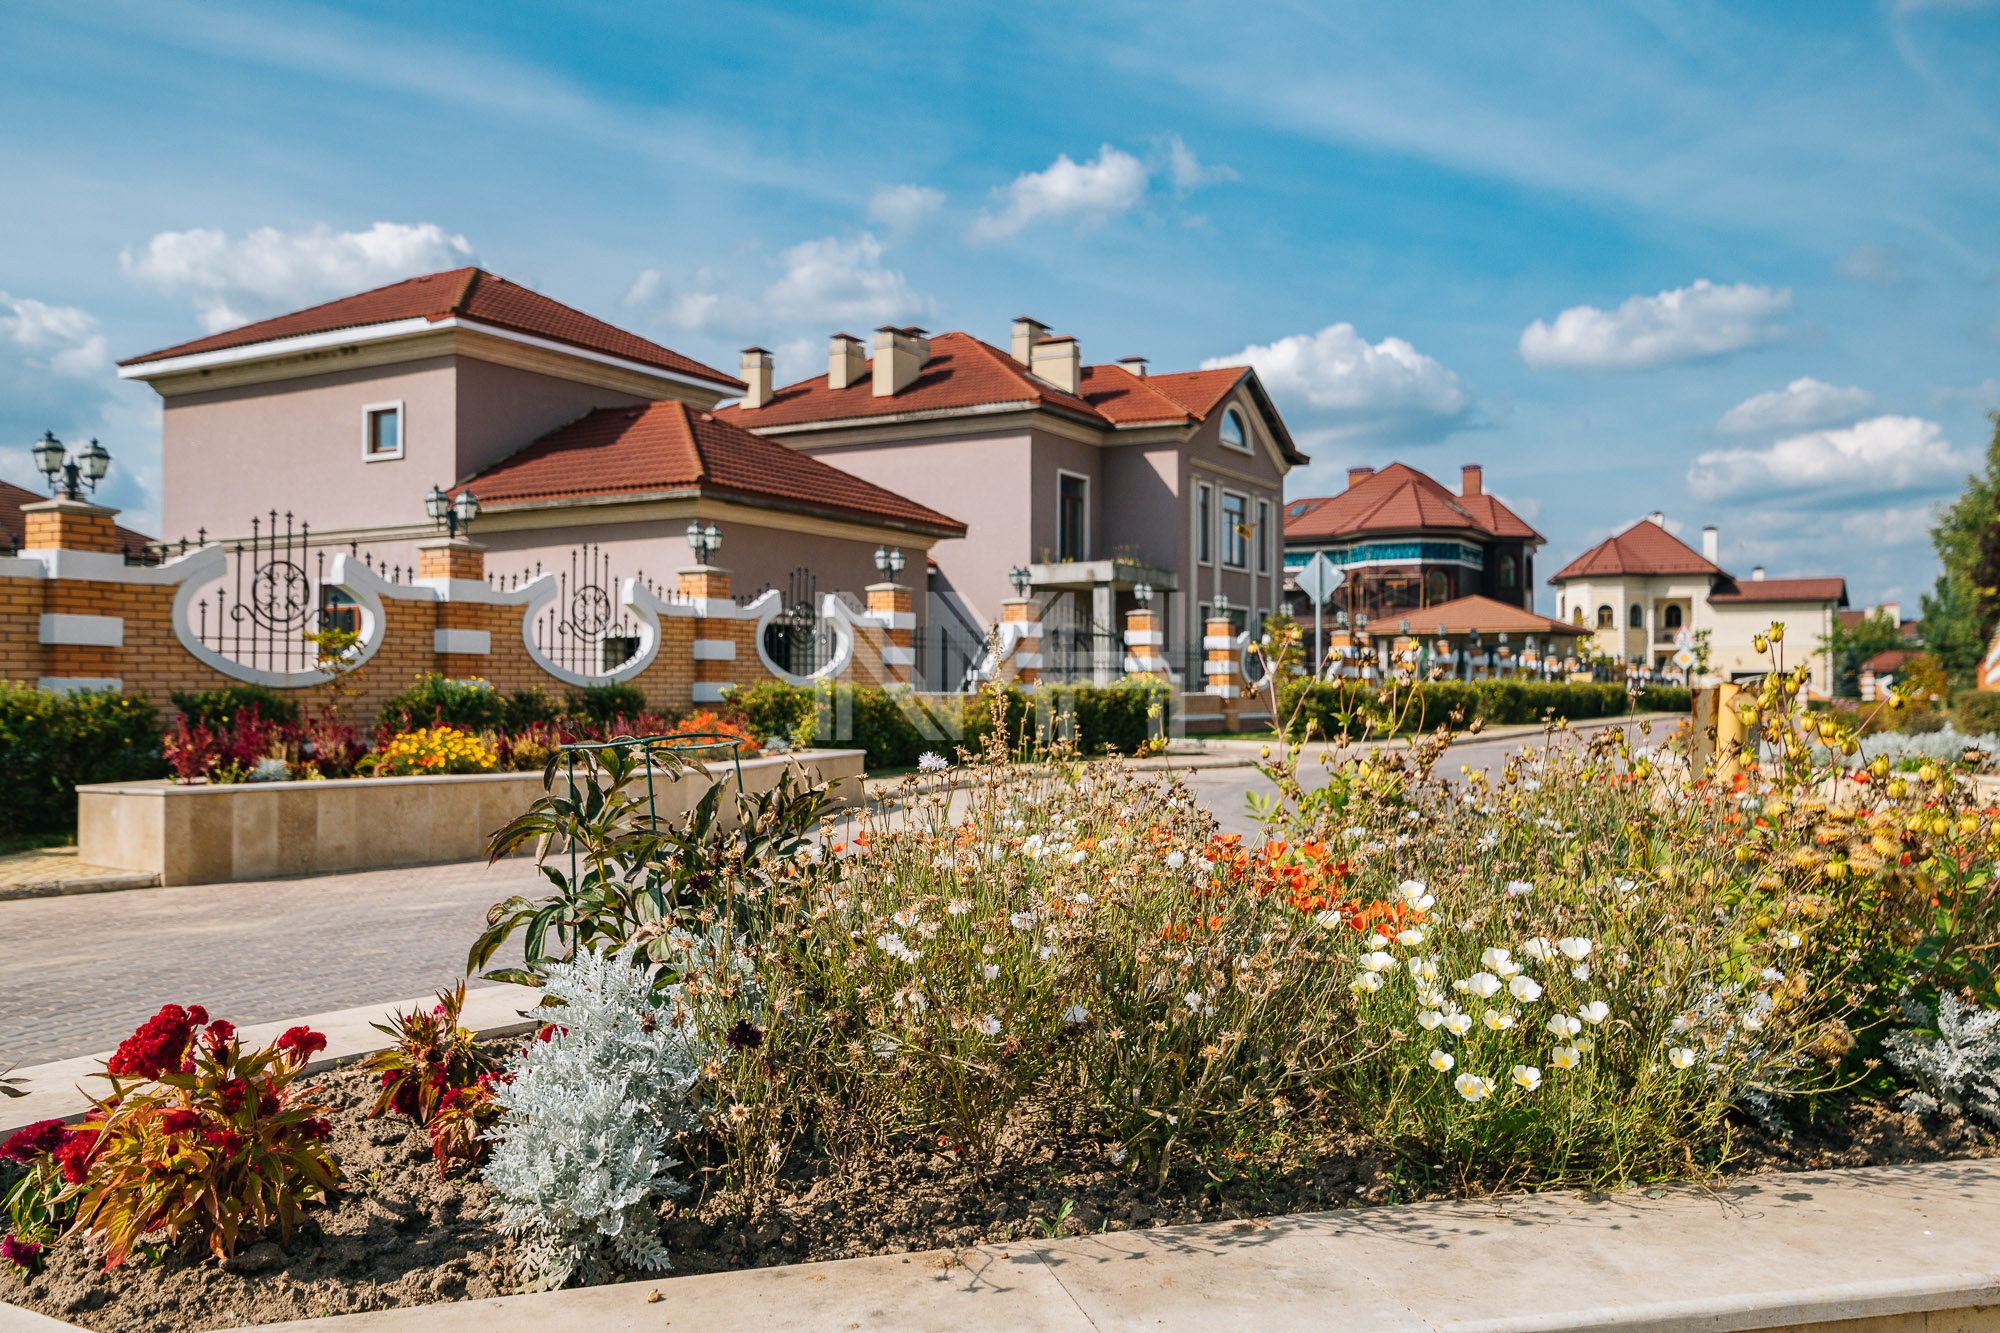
x=59 y=888
x=56 y=1089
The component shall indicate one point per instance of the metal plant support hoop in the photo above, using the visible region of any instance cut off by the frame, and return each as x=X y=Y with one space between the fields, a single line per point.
x=682 y=742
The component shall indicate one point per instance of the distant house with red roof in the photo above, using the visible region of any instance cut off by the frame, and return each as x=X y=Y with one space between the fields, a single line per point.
x=1092 y=481
x=1645 y=595
x=587 y=446
x=1407 y=543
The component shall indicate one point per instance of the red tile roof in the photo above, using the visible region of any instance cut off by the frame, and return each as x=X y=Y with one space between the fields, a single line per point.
x=15 y=524
x=965 y=372
x=669 y=446
x=1888 y=660
x=467 y=293
x=1644 y=548
x=1782 y=590
x=1401 y=499
x=1462 y=615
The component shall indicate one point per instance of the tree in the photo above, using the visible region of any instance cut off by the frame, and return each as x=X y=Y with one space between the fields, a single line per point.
x=1961 y=608
x=1847 y=649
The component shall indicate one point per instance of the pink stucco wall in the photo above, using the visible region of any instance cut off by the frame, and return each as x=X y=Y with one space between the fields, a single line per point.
x=502 y=409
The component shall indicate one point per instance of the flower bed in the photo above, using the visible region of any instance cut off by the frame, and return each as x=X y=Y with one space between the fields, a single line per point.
x=1059 y=998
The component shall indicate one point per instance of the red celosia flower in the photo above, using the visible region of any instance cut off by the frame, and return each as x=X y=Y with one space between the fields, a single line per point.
x=38 y=1139
x=21 y=1253
x=160 y=1044
x=217 y=1036
x=317 y=1127
x=224 y=1141
x=181 y=1120
x=75 y=1155
x=301 y=1043
x=232 y=1095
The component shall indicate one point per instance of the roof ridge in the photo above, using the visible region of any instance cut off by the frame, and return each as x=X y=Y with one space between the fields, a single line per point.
x=473 y=274
x=701 y=469
x=1172 y=403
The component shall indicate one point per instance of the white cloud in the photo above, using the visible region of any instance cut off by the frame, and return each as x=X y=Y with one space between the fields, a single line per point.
x=823 y=283
x=53 y=339
x=1882 y=265
x=901 y=207
x=268 y=270
x=1387 y=390
x=1186 y=171
x=1800 y=405
x=1684 y=324
x=1086 y=193
x=1877 y=456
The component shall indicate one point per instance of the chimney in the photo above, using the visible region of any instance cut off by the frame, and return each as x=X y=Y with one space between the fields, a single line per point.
x=1060 y=362
x=846 y=361
x=1357 y=475
x=757 y=374
x=1027 y=332
x=1135 y=364
x=1656 y=517
x=899 y=358
x=1711 y=544
x=1893 y=611
x=1472 y=480
x=1757 y=574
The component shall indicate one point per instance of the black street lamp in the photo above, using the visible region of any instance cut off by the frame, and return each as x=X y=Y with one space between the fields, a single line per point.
x=1020 y=578
x=451 y=514
x=1142 y=593
x=889 y=561
x=78 y=474
x=704 y=542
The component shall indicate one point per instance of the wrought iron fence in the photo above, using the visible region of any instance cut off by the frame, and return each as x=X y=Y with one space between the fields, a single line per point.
x=798 y=639
x=1073 y=644
x=947 y=658
x=586 y=629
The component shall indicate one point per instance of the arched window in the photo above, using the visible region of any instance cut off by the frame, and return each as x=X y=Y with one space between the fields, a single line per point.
x=1437 y=587
x=1673 y=617
x=1636 y=617
x=1604 y=618
x=1576 y=617
x=1506 y=571
x=1233 y=433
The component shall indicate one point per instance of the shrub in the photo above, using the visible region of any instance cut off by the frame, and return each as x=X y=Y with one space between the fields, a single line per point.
x=52 y=742
x=583 y=1116
x=216 y=708
x=1958 y=1071
x=470 y=705
x=199 y=1138
x=430 y=751
x=605 y=705
x=530 y=708
x=1977 y=712
x=36 y=1194
x=1666 y=699
x=437 y=1075
x=1332 y=708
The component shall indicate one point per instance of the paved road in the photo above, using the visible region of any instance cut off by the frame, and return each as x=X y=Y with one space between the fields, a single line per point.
x=79 y=973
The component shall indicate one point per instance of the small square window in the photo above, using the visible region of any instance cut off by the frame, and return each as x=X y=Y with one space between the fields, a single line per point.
x=382 y=435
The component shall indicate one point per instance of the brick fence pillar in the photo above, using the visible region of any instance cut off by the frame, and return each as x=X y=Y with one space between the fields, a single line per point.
x=69 y=525
x=462 y=641
x=1026 y=658
x=1144 y=642
x=714 y=636
x=82 y=641
x=892 y=606
x=1219 y=643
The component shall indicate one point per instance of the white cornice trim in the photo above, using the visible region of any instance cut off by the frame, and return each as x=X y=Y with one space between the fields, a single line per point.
x=391 y=329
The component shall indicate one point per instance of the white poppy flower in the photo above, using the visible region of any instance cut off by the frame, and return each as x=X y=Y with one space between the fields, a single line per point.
x=1772 y=975
x=1462 y=986
x=1022 y=921
x=1509 y=969
x=1410 y=890
x=991 y=971
x=1379 y=961
x=1376 y=940
x=1327 y=919
x=1424 y=969
x=1680 y=1057
x=1789 y=939
x=1483 y=984
x=1410 y=937
x=1538 y=949
x=1366 y=984
x=1574 y=947
x=989 y=1025
x=1498 y=1020
x=1429 y=1019
x=1565 y=1057
x=1458 y=1024
x=1527 y=1078
x=1581 y=971
x=1472 y=1087
x=1494 y=958
x=1595 y=1012
x=1564 y=1026
x=1075 y=1014
x=1519 y=888
x=1442 y=1061
x=1524 y=989
x=1175 y=860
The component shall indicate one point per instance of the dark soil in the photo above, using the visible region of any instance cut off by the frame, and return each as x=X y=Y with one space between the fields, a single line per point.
x=400 y=1235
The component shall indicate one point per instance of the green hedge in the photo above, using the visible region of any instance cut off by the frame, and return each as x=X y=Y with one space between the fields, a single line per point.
x=1329 y=708
x=50 y=743
x=897 y=728
x=214 y=708
x=1977 y=712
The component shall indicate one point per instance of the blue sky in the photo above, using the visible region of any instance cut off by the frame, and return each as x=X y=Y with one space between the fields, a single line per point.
x=1739 y=264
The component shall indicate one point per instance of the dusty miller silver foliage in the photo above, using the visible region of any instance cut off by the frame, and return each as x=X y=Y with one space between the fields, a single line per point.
x=1959 y=1071
x=580 y=1151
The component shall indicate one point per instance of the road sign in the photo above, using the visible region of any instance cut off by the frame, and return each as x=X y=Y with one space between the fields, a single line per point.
x=1319 y=577
x=1684 y=659
x=1683 y=638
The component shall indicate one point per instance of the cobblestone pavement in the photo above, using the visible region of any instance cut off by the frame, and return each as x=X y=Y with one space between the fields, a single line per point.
x=78 y=974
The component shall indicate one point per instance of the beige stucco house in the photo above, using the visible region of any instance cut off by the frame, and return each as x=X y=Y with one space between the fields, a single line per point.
x=1644 y=593
x=1095 y=480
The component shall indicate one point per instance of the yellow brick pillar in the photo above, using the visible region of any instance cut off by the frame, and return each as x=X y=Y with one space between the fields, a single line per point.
x=451 y=558
x=461 y=638
x=1025 y=661
x=81 y=629
x=1219 y=645
x=714 y=631
x=1145 y=644
x=892 y=606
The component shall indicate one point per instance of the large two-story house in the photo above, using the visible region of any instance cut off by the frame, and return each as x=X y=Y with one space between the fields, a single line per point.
x=1089 y=485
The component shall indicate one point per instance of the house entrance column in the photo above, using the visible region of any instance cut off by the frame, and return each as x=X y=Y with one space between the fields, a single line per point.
x=1104 y=646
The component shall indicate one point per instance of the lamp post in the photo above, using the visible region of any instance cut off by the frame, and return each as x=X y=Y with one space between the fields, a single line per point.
x=704 y=542
x=889 y=561
x=1142 y=593
x=1020 y=578
x=454 y=515
x=79 y=474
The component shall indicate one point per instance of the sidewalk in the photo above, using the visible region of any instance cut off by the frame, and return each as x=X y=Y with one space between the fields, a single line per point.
x=54 y=871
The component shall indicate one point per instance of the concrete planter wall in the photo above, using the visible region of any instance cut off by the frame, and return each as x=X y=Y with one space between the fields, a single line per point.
x=266 y=830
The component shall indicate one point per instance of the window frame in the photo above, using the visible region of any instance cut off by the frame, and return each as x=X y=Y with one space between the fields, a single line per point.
x=1248 y=445
x=1062 y=475
x=1607 y=616
x=1204 y=523
x=1670 y=616
x=1509 y=573
x=1263 y=536
x=1227 y=530
x=1635 y=618
x=369 y=411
